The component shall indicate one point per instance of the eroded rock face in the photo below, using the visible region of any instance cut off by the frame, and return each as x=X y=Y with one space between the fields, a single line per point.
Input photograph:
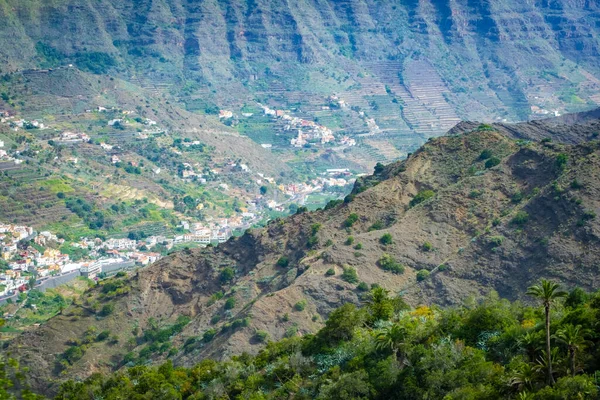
x=496 y=227
x=490 y=59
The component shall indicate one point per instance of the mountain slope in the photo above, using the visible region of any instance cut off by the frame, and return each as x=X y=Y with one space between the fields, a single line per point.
x=511 y=54
x=478 y=211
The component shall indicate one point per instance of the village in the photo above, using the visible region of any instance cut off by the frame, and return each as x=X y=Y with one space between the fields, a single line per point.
x=29 y=258
x=26 y=254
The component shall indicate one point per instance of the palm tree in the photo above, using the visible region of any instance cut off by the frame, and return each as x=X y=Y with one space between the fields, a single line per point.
x=380 y=305
x=392 y=337
x=574 y=338
x=547 y=292
x=525 y=376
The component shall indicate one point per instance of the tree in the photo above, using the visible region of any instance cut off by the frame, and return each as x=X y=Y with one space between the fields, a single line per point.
x=392 y=337
x=380 y=306
x=547 y=292
x=574 y=338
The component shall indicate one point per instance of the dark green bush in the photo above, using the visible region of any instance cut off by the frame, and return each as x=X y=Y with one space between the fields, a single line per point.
x=492 y=162
x=386 y=239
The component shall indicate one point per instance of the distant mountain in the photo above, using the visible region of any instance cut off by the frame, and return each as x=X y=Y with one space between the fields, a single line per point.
x=481 y=210
x=442 y=60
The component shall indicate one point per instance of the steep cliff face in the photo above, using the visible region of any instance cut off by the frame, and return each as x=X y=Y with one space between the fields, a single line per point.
x=495 y=58
x=466 y=214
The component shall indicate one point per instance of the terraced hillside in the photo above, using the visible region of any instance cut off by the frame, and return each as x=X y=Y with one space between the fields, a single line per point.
x=439 y=60
x=466 y=214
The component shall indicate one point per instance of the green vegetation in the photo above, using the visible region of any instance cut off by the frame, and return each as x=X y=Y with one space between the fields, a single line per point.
x=427 y=246
x=261 y=336
x=520 y=218
x=227 y=275
x=485 y=154
x=389 y=263
x=377 y=225
x=330 y=272
x=230 y=303
x=386 y=239
x=422 y=275
x=350 y=275
x=283 y=262
x=491 y=350
x=492 y=162
x=561 y=161
x=422 y=196
x=352 y=218
x=300 y=306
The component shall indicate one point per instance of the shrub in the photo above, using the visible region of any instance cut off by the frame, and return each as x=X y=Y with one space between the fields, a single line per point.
x=422 y=196
x=315 y=228
x=363 y=287
x=517 y=197
x=442 y=267
x=350 y=275
x=333 y=204
x=376 y=226
x=485 y=154
x=520 y=218
x=73 y=354
x=422 y=275
x=312 y=241
x=300 y=306
x=291 y=331
x=475 y=194
x=561 y=161
x=261 y=336
x=379 y=167
x=492 y=162
x=209 y=335
x=358 y=246
x=427 y=246
x=350 y=240
x=230 y=303
x=589 y=215
x=328 y=243
x=352 y=218
x=215 y=318
x=388 y=263
x=576 y=185
x=227 y=275
x=330 y=272
x=496 y=240
x=283 y=262
x=386 y=239
x=107 y=309
x=102 y=336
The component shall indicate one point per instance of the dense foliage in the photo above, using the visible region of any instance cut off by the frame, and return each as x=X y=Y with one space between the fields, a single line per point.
x=483 y=350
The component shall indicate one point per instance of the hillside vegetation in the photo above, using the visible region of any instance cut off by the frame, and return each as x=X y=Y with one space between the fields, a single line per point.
x=489 y=349
x=465 y=215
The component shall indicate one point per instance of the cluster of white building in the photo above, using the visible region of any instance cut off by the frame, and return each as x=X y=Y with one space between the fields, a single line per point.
x=19 y=123
x=72 y=137
x=308 y=131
